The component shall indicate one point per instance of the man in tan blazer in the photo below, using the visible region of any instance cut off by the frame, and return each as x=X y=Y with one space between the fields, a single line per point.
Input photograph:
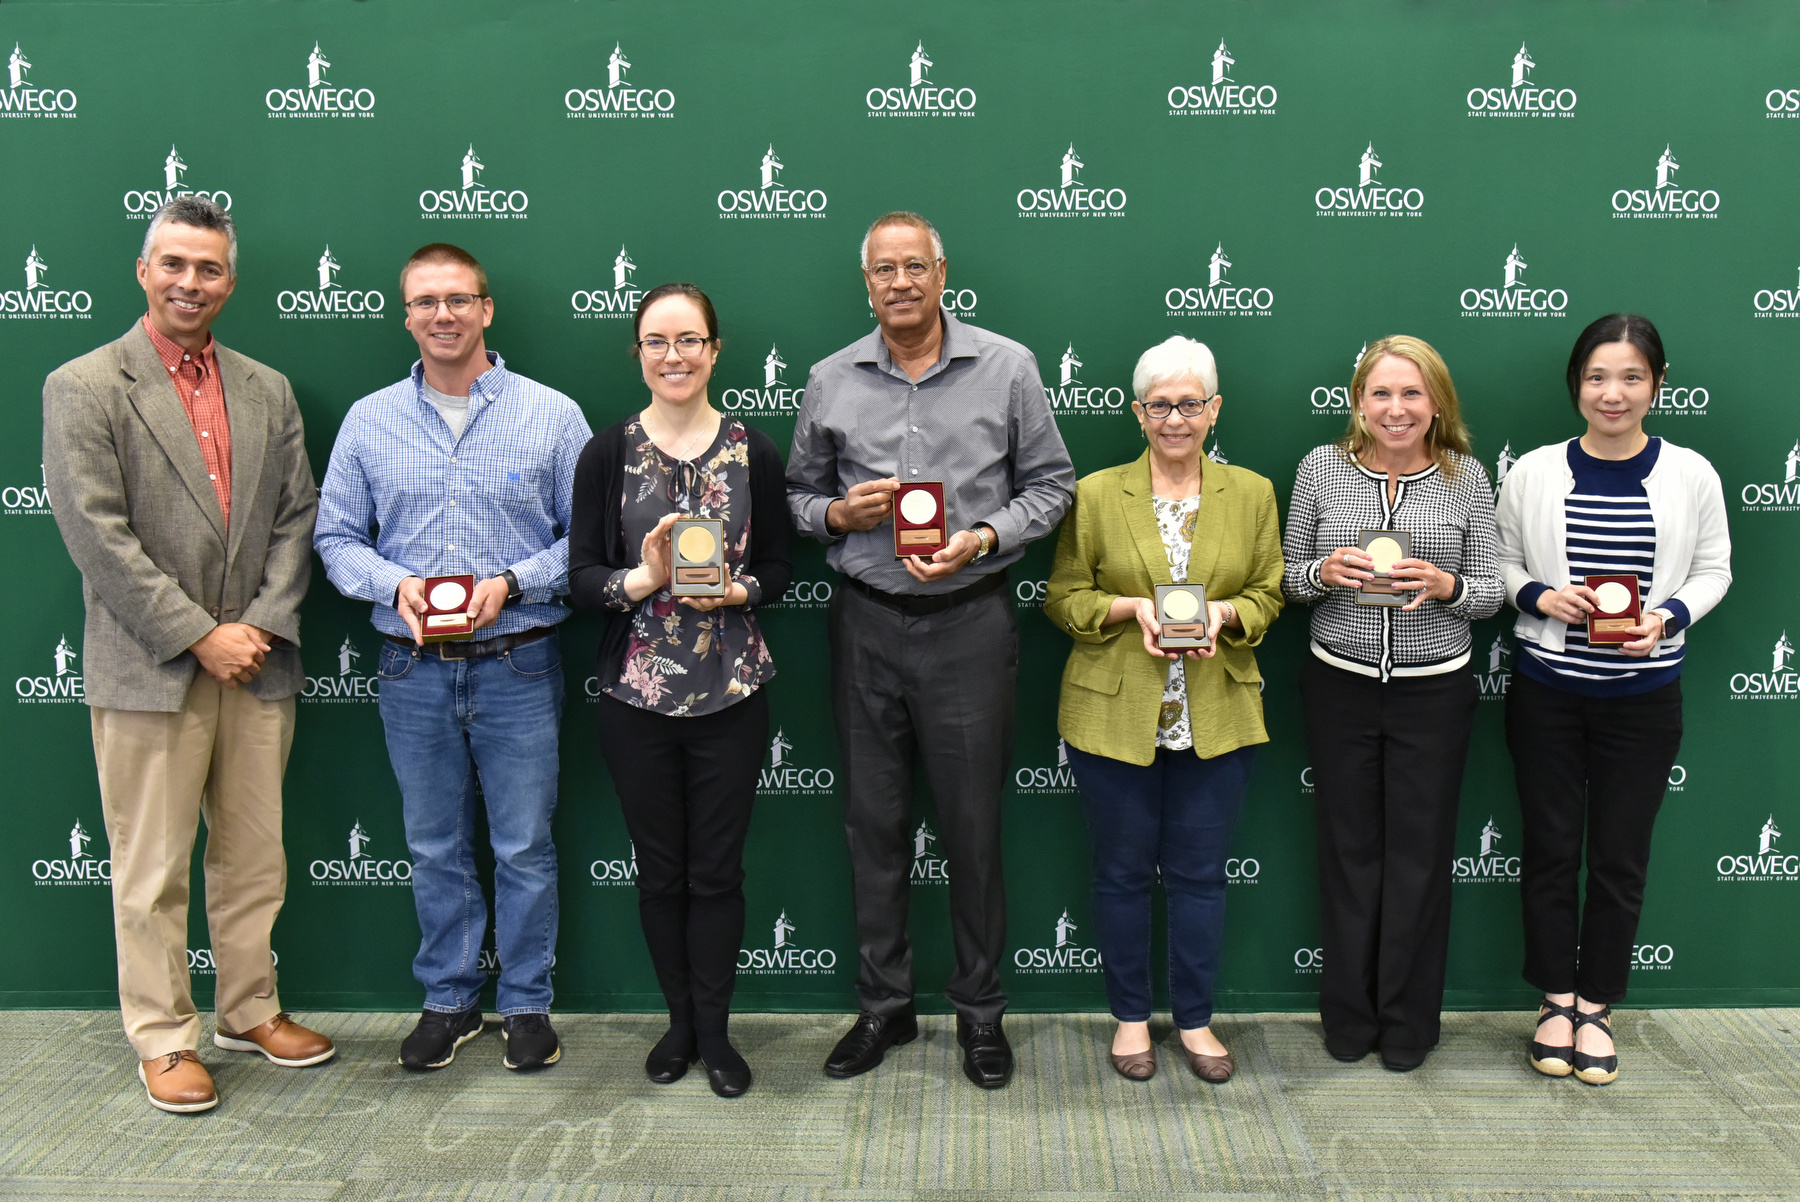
x=178 y=474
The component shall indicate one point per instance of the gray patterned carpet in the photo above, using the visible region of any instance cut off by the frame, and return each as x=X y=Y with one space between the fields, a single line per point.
x=1708 y=1106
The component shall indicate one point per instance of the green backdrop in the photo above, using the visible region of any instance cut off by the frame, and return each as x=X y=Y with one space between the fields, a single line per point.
x=1286 y=182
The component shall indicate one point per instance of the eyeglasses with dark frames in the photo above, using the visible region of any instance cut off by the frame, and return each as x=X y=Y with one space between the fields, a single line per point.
x=457 y=302
x=687 y=346
x=1189 y=408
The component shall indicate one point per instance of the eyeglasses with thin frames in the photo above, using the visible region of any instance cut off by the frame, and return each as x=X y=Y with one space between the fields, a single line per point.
x=916 y=269
x=458 y=303
x=687 y=346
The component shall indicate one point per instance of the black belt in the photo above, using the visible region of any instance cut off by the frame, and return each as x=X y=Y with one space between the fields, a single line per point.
x=916 y=606
x=456 y=649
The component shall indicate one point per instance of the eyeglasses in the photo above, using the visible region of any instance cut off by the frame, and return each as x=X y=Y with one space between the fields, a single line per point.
x=687 y=346
x=427 y=306
x=1187 y=408
x=916 y=269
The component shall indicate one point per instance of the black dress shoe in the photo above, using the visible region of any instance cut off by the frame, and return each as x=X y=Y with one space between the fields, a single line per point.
x=1346 y=1049
x=728 y=1083
x=668 y=1061
x=868 y=1041
x=726 y=1071
x=987 y=1057
x=1403 y=1060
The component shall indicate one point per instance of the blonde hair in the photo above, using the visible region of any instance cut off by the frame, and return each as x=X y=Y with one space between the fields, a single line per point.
x=1445 y=435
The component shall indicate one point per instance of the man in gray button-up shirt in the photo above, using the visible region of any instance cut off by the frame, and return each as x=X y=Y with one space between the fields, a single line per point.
x=925 y=650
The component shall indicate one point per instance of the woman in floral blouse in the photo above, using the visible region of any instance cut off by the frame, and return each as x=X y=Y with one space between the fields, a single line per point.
x=683 y=716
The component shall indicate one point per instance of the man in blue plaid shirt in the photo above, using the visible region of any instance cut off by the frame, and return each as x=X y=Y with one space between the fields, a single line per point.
x=465 y=467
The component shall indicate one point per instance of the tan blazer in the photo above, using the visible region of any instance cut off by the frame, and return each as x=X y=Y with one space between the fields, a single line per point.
x=140 y=518
x=1110 y=547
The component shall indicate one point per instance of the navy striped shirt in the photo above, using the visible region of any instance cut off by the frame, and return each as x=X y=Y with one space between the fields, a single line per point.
x=1609 y=530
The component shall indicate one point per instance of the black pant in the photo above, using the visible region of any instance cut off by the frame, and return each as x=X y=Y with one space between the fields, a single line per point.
x=939 y=687
x=687 y=786
x=1599 y=764
x=1387 y=764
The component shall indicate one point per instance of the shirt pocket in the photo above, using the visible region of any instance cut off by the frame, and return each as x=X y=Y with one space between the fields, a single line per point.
x=518 y=489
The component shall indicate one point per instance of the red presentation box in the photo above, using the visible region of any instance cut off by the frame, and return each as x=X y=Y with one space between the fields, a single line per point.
x=921 y=527
x=1618 y=610
x=447 y=608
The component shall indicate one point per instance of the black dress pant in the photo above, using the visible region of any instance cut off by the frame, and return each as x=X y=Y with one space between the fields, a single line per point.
x=1596 y=766
x=687 y=786
x=939 y=687
x=1387 y=762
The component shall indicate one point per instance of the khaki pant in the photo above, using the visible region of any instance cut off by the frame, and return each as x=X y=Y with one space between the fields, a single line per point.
x=222 y=755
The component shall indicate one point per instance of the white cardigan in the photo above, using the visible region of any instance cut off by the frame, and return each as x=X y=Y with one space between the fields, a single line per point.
x=1693 y=544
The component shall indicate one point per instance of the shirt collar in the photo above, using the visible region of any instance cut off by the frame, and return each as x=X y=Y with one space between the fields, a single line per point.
x=486 y=388
x=173 y=354
x=958 y=344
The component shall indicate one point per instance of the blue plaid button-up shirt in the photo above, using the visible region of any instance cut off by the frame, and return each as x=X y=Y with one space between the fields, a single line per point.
x=403 y=498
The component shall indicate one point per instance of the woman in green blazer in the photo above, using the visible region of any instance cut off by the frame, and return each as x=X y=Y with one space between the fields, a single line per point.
x=1162 y=743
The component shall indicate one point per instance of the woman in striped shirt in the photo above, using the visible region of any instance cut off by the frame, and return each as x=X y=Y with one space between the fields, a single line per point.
x=1388 y=696
x=1594 y=727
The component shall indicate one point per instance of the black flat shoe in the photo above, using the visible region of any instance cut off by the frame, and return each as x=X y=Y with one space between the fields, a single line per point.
x=1403 y=1060
x=863 y=1047
x=987 y=1056
x=668 y=1061
x=1556 y=1061
x=1596 y=1070
x=728 y=1083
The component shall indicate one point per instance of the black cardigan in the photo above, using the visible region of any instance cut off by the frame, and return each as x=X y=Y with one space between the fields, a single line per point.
x=597 y=533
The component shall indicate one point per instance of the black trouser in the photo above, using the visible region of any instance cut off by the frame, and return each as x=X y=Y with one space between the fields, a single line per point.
x=940 y=687
x=1599 y=765
x=687 y=786
x=1387 y=764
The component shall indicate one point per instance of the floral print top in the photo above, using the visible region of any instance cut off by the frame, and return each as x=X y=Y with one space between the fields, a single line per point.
x=1175 y=521
x=679 y=660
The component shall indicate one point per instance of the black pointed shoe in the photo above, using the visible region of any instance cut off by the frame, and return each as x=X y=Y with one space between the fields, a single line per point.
x=868 y=1041
x=668 y=1061
x=987 y=1056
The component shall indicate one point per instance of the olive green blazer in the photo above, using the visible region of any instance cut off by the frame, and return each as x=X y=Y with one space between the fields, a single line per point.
x=1110 y=547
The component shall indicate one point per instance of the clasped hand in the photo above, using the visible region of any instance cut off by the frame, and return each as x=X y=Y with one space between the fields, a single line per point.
x=232 y=652
x=1351 y=567
x=1573 y=603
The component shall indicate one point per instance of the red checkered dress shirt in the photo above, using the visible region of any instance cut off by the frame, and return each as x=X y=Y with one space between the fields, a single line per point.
x=202 y=392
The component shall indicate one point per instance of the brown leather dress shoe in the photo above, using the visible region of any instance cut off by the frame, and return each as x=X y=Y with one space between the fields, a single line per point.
x=1135 y=1066
x=282 y=1040
x=1217 y=1069
x=178 y=1083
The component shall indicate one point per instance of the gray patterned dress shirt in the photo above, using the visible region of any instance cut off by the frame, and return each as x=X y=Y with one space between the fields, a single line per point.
x=977 y=419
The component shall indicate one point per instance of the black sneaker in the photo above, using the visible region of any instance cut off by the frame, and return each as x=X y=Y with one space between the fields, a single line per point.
x=530 y=1041
x=434 y=1041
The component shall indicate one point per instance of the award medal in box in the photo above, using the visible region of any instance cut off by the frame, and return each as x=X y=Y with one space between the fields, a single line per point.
x=1181 y=613
x=919 y=519
x=699 y=567
x=1617 y=610
x=1386 y=548
x=447 y=608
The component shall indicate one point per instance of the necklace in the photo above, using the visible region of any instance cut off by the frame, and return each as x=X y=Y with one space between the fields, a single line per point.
x=686 y=447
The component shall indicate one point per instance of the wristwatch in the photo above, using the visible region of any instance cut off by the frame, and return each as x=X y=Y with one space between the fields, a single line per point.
x=986 y=538
x=513 y=591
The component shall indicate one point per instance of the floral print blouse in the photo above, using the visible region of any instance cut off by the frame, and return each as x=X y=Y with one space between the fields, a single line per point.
x=679 y=660
x=1175 y=521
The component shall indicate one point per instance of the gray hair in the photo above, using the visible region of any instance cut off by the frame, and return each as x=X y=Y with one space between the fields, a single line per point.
x=902 y=217
x=1175 y=358
x=200 y=213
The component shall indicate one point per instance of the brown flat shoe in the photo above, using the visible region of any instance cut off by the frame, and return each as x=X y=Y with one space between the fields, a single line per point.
x=178 y=1083
x=282 y=1040
x=1137 y=1066
x=1217 y=1069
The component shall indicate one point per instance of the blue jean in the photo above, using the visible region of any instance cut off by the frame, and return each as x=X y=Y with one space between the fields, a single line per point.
x=1175 y=814
x=451 y=723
